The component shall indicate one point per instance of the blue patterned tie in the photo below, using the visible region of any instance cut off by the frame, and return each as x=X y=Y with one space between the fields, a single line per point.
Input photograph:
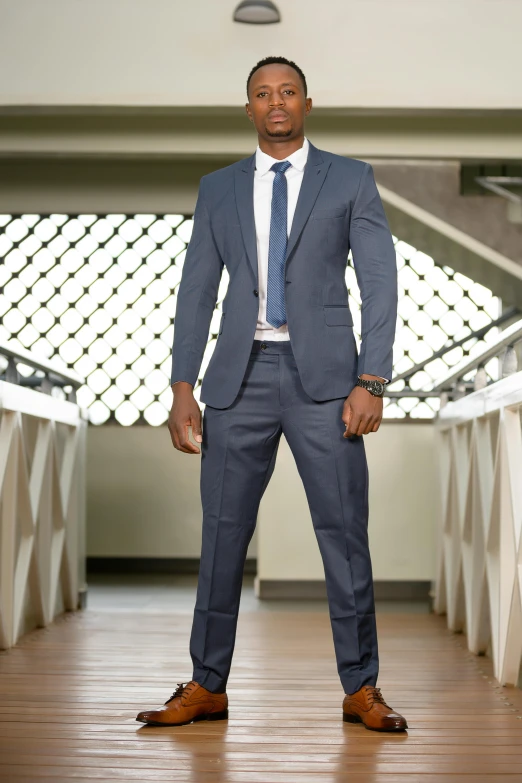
x=275 y=295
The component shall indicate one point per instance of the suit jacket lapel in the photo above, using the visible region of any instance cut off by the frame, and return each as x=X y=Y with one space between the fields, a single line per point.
x=313 y=178
x=244 y=192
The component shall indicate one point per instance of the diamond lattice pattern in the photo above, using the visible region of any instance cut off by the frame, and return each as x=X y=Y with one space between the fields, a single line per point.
x=98 y=294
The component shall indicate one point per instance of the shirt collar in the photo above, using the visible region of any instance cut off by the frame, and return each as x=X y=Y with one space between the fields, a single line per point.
x=297 y=159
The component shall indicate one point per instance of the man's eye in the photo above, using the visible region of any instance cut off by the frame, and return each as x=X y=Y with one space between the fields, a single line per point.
x=289 y=91
x=259 y=94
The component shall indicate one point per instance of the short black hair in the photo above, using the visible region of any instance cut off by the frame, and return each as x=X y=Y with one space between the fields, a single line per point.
x=280 y=61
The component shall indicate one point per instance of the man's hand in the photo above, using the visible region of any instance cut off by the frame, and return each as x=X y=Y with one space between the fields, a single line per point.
x=184 y=413
x=362 y=412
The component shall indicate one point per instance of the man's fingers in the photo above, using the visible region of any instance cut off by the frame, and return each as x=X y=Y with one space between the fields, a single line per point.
x=369 y=425
x=185 y=413
x=173 y=434
x=196 y=429
x=361 y=415
x=185 y=444
x=355 y=422
x=374 y=424
x=363 y=425
x=347 y=416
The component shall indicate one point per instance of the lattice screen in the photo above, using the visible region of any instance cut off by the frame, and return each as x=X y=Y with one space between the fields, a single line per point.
x=98 y=293
x=436 y=307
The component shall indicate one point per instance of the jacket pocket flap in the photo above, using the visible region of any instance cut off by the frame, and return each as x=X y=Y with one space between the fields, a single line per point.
x=332 y=212
x=338 y=315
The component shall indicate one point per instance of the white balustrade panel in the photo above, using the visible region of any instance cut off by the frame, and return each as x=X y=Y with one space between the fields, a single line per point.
x=42 y=507
x=479 y=574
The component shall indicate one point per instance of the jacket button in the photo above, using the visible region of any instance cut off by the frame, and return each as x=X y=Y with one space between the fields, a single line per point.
x=256 y=292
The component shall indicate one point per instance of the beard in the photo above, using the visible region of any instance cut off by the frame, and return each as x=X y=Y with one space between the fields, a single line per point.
x=280 y=132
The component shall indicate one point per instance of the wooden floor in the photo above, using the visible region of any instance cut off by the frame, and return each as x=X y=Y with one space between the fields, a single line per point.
x=70 y=694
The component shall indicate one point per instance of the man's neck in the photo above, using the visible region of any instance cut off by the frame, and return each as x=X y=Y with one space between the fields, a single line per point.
x=282 y=148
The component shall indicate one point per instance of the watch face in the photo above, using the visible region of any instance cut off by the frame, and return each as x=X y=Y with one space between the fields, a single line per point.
x=377 y=387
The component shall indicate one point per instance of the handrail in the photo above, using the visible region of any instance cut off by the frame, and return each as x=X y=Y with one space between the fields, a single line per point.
x=54 y=373
x=47 y=365
x=479 y=449
x=478 y=334
x=42 y=494
x=506 y=339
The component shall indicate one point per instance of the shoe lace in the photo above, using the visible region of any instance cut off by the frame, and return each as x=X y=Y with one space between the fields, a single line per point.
x=180 y=691
x=375 y=696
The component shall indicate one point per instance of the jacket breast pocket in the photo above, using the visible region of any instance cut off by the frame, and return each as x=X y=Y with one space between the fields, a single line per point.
x=332 y=212
x=337 y=315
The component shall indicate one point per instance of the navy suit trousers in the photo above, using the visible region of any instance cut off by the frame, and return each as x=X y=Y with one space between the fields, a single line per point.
x=238 y=454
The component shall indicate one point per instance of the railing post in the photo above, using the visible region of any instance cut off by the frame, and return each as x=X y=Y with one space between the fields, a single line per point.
x=460 y=391
x=480 y=466
x=481 y=379
x=11 y=372
x=42 y=494
x=509 y=361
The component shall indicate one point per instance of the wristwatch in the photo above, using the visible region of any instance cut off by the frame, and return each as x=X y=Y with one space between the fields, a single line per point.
x=374 y=387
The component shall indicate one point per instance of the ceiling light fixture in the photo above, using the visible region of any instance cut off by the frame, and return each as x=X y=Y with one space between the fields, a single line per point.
x=257 y=12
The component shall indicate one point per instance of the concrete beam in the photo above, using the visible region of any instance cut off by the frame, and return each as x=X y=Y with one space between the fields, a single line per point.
x=226 y=133
x=469 y=233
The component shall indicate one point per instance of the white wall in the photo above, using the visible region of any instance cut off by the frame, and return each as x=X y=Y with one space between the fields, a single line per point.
x=143 y=501
x=403 y=500
x=142 y=495
x=364 y=53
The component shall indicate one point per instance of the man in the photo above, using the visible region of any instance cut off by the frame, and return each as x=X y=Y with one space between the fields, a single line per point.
x=283 y=221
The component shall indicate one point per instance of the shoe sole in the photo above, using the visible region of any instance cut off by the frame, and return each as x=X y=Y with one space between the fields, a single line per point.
x=209 y=716
x=356 y=719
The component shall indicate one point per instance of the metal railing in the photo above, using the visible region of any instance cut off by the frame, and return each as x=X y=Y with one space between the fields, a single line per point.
x=479 y=444
x=504 y=345
x=42 y=495
x=451 y=385
x=49 y=373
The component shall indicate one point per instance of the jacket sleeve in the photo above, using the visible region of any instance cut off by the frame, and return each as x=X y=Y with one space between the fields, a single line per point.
x=375 y=266
x=197 y=296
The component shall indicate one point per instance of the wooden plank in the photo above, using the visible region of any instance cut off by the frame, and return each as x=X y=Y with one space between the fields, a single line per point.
x=70 y=695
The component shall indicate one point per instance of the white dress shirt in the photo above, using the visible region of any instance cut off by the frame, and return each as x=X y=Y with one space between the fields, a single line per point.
x=263 y=181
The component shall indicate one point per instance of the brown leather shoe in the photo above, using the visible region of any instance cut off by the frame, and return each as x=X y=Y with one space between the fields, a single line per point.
x=188 y=703
x=368 y=706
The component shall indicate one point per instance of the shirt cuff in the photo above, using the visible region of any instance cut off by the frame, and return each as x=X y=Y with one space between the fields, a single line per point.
x=384 y=380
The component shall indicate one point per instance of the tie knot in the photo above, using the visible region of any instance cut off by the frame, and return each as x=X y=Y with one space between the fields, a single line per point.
x=280 y=167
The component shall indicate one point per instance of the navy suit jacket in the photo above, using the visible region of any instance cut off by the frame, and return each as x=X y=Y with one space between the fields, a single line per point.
x=338 y=208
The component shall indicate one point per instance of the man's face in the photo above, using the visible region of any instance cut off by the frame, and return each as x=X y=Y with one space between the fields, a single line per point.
x=277 y=104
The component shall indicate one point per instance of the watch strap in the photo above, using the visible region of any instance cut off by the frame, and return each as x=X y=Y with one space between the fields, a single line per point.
x=375 y=387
